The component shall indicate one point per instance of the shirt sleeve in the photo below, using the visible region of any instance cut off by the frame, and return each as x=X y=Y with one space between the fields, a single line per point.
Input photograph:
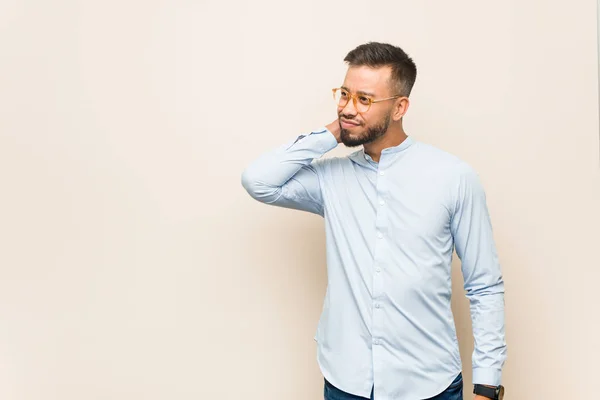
x=287 y=176
x=483 y=282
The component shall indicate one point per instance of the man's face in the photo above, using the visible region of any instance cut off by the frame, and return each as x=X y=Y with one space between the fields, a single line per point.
x=361 y=128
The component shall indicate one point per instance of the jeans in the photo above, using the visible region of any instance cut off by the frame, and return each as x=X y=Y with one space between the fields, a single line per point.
x=453 y=392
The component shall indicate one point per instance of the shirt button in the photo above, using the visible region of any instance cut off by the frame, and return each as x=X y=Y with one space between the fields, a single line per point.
x=382 y=202
x=378 y=270
x=377 y=305
x=376 y=342
x=382 y=173
x=380 y=235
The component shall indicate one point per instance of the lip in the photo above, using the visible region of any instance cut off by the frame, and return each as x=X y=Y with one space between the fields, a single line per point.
x=346 y=125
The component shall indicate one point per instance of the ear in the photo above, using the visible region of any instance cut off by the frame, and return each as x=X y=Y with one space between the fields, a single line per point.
x=400 y=108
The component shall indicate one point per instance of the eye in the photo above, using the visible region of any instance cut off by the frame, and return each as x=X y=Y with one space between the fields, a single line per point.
x=364 y=100
x=344 y=94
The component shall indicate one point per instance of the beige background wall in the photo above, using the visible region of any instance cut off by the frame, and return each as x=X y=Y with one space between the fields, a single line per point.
x=134 y=266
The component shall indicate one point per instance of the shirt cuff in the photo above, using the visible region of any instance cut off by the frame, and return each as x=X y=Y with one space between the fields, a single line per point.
x=329 y=140
x=487 y=376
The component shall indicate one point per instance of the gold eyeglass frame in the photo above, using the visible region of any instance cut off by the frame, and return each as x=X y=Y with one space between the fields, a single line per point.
x=354 y=98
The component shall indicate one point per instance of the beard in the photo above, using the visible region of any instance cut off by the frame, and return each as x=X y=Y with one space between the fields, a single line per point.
x=369 y=135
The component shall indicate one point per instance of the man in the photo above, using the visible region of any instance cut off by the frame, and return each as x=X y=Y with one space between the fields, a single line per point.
x=394 y=213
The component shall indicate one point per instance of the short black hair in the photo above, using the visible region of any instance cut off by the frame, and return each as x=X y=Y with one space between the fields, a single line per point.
x=375 y=55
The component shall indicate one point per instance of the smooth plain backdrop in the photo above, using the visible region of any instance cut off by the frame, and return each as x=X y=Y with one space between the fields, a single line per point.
x=134 y=266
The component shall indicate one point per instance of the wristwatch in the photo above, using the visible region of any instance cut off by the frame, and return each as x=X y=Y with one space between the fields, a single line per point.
x=496 y=393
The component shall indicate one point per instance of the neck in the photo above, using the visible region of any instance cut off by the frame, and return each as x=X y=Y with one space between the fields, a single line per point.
x=392 y=138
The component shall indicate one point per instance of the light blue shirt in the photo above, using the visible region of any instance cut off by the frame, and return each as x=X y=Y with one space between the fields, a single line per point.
x=391 y=229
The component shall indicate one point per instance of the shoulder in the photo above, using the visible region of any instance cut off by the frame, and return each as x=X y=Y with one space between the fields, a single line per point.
x=442 y=161
x=458 y=177
x=340 y=161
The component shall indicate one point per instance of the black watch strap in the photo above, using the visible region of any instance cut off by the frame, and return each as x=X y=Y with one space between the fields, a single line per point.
x=485 y=391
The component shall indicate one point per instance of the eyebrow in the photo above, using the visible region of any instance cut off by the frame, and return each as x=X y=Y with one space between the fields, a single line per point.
x=359 y=92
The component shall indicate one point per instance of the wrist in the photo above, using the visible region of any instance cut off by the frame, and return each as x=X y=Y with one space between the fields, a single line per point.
x=335 y=129
x=488 y=392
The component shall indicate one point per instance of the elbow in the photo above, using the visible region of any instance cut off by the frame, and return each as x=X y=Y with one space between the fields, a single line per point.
x=250 y=183
x=494 y=289
x=257 y=189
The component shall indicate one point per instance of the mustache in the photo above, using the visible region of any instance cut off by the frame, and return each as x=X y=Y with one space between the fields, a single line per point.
x=349 y=119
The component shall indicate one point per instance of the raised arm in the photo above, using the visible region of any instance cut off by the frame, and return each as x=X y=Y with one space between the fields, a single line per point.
x=286 y=176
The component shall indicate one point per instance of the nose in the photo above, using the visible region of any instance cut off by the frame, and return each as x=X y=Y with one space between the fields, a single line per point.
x=349 y=109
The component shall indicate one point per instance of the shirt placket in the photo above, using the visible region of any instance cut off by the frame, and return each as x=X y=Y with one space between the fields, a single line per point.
x=381 y=259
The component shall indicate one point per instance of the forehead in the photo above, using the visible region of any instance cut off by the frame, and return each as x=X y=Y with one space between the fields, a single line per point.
x=367 y=80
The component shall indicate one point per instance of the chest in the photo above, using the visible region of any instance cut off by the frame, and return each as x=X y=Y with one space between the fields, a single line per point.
x=410 y=206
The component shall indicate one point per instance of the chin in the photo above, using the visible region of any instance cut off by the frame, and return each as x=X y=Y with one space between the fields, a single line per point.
x=353 y=143
x=354 y=139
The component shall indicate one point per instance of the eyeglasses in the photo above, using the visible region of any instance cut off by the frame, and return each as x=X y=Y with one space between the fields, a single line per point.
x=362 y=103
